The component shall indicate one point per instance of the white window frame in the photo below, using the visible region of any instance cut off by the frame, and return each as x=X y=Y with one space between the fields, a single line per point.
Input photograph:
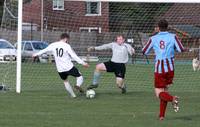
x=58 y=3
x=99 y=8
x=91 y=28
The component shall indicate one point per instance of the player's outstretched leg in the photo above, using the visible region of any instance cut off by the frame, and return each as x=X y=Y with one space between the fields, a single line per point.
x=95 y=80
x=97 y=74
x=79 y=82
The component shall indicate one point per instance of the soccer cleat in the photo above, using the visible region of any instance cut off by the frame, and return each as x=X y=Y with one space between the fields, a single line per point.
x=92 y=86
x=161 y=118
x=73 y=96
x=79 y=89
x=175 y=103
x=123 y=89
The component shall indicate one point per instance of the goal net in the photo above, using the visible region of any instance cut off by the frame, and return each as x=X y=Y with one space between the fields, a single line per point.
x=92 y=23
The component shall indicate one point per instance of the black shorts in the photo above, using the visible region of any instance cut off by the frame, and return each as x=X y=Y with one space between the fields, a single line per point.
x=73 y=72
x=118 y=68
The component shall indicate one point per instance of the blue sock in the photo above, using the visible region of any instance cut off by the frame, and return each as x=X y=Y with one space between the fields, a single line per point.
x=96 y=78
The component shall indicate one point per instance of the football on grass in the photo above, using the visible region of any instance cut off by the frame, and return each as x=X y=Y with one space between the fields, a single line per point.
x=90 y=93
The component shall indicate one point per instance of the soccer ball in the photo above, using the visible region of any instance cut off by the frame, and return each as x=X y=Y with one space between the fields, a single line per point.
x=90 y=93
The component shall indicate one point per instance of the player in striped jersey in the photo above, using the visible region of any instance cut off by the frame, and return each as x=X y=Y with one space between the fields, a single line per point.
x=164 y=45
x=63 y=54
x=120 y=51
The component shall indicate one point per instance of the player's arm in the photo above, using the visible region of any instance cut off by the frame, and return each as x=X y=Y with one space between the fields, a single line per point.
x=130 y=49
x=75 y=57
x=147 y=47
x=178 y=45
x=47 y=49
x=102 y=47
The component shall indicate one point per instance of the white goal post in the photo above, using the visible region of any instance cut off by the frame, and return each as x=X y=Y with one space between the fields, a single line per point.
x=19 y=39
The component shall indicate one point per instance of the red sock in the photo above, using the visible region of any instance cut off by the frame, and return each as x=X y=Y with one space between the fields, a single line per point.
x=166 y=96
x=163 y=105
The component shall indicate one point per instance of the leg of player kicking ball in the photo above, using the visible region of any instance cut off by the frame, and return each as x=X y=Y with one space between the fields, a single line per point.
x=69 y=88
x=97 y=74
x=79 y=82
x=120 y=84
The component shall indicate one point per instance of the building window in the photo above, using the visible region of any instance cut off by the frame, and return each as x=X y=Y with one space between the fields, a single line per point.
x=90 y=29
x=58 y=4
x=93 y=8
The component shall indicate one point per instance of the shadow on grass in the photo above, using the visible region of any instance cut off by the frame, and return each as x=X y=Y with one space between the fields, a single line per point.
x=188 y=117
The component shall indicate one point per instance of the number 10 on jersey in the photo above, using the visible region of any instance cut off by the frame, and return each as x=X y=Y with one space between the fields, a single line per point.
x=59 y=52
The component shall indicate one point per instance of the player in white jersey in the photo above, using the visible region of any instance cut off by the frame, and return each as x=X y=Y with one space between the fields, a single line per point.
x=120 y=51
x=63 y=54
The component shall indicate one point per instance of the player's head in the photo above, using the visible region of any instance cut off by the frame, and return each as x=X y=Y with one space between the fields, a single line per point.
x=120 y=39
x=163 y=25
x=156 y=29
x=64 y=37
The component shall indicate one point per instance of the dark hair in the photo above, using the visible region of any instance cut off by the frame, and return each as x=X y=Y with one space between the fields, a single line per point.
x=64 y=35
x=163 y=25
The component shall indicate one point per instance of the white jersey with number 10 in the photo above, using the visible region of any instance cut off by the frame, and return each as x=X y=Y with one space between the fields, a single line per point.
x=63 y=54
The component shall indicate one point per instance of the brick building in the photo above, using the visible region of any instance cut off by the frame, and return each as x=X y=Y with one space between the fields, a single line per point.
x=62 y=15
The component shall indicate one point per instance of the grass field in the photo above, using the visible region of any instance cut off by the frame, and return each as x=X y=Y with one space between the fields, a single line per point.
x=45 y=103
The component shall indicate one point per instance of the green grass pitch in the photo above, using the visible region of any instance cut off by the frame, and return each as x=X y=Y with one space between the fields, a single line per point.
x=45 y=103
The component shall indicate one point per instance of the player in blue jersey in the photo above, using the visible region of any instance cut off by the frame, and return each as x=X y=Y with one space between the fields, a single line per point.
x=164 y=45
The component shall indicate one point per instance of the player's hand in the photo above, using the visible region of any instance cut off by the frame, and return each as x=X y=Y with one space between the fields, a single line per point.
x=188 y=49
x=86 y=65
x=133 y=51
x=90 y=49
x=191 y=49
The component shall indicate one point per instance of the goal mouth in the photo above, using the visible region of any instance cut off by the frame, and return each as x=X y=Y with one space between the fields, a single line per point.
x=93 y=23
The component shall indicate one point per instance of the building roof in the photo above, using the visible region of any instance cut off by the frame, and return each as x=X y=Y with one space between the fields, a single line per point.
x=190 y=30
x=183 y=14
x=184 y=19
